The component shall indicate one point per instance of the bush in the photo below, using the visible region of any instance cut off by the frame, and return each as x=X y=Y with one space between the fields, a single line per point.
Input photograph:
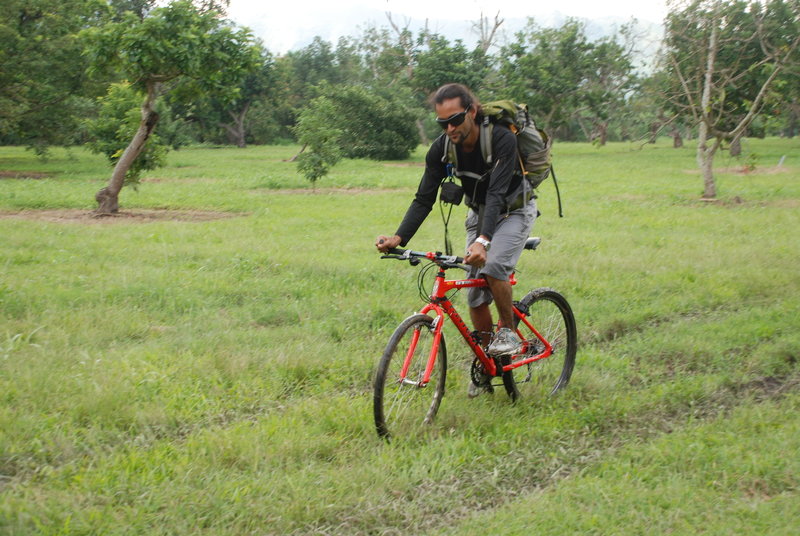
x=353 y=122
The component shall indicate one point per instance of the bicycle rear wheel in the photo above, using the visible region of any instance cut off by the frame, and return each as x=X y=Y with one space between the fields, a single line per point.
x=550 y=314
x=401 y=406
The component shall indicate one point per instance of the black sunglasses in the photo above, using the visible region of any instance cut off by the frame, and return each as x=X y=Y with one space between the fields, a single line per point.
x=455 y=119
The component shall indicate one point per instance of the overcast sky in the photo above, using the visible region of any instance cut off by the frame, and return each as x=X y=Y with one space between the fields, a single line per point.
x=285 y=24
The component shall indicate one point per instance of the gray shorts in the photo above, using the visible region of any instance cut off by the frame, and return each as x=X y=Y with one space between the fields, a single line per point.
x=507 y=243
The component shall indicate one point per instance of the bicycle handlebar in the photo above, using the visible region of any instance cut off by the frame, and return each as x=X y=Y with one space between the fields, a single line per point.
x=414 y=257
x=445 y=261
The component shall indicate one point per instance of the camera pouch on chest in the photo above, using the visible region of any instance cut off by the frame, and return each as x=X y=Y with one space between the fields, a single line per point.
x=451 y=192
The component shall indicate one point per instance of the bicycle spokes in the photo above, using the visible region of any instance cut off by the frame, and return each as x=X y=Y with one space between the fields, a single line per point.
x=403 y=399
x=550 y=342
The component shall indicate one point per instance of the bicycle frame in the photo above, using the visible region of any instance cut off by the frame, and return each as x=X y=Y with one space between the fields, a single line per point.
x=443 y=308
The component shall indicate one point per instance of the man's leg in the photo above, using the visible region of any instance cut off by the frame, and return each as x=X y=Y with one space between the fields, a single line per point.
x=507 y=243
x=482 y=322
x=503 y=300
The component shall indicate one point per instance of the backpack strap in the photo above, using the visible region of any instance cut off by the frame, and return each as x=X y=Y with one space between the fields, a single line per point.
x=486 y=140
x=449 y=155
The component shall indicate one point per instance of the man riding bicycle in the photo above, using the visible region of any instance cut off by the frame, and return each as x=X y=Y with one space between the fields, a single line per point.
x=501 y=215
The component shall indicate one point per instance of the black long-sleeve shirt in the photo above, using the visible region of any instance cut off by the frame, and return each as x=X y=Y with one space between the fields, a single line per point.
x=491 y=191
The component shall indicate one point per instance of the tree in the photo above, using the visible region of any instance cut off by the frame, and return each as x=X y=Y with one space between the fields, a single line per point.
x=43 y=92
x=354 y=122
x=610 y=80
x=231 y=115
x=438 y=62
x=313 y=65
x=723 y=58
x=179 y=45
x=317 y=131
x=546 y=68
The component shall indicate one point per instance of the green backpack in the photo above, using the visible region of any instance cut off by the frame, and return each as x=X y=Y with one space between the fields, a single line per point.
x=533 y=143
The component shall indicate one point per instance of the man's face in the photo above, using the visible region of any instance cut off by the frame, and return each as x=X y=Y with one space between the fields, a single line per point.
x=453 y=110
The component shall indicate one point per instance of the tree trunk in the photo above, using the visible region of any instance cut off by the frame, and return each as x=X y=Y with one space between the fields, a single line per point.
x=303 y=148
x=422 y=136
x=587 y=133
x=705 y=160
x=654 y=127
x=677 y=140
x=602 y=133
x=736 y=146
x=705 y=154
x=108 y=198
x=235 y=129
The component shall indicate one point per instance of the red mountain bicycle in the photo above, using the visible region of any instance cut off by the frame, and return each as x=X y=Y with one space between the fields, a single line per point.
x=410 y=378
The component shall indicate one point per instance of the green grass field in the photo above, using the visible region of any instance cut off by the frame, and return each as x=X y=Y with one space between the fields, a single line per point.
x=207 y=368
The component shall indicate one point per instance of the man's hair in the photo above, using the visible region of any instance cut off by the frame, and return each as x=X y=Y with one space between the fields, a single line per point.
x=456 y=91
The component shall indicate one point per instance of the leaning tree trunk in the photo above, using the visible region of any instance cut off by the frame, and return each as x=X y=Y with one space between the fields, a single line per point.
x=295 y=157
x=108 y=197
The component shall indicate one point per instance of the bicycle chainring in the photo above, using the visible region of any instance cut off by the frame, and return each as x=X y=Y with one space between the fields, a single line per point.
x=480 y=377
x=478 y=373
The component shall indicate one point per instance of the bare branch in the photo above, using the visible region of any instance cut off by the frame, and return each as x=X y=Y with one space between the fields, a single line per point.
x=687 y=92
x=756 y=105
x=485 y=34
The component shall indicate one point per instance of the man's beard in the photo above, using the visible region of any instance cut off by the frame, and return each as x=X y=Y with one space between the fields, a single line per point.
x=460 y=136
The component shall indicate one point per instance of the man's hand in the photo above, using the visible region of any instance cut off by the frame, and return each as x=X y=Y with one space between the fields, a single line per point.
x=385 y=243
x=476 y=255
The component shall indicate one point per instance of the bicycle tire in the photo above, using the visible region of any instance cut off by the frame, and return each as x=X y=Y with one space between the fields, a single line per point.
x=401 y=408
x=550 y=313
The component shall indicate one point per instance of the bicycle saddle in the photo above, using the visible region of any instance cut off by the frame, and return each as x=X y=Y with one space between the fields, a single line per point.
x=533 y=242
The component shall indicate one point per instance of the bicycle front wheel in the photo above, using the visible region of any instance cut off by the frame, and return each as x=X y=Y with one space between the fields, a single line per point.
x=401 y=405
x=551 y=316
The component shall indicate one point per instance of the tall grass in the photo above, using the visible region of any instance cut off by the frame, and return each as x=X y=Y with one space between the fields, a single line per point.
x=195 y=376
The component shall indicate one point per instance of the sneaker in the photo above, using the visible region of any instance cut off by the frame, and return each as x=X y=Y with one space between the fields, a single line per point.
x=505 y=342
x=484 y=387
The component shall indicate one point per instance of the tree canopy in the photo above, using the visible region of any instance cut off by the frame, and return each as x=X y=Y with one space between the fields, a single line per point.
x=213 y=83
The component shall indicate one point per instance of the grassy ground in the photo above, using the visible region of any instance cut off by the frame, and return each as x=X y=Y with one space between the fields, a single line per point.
x=182 y=374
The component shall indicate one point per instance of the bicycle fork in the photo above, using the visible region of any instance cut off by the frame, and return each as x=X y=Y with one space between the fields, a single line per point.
x=436 y=329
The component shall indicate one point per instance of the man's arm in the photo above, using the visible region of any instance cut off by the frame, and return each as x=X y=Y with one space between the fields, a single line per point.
x=426 y=194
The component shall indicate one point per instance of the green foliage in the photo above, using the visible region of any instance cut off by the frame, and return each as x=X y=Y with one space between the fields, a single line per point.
x=43 y=93
x=317 y=131
x=178 y=41
x=582 y=88
x=375 y=124
x=196 y=52
x=354 y=122
x=440 y=63
x=546 y=68
x=112 y=130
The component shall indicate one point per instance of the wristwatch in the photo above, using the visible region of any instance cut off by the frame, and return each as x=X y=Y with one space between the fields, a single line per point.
x=482 y=241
